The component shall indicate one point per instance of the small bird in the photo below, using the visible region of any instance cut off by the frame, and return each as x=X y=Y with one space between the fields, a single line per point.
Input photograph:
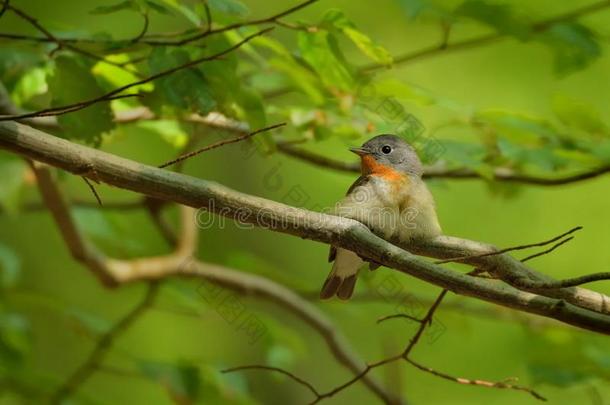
x=390 y=198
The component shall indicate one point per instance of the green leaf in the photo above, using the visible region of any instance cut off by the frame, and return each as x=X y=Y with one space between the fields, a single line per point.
x=124 y=5
x=31 y=84
x=542 y=157
x=117 y=77
x=186 y=89
x=601 y=150
x=10 y=266
x=91 y=324
x=320 y=51
x=574 y=46
x=579 y=115
x=73 y=82
x=12 y=174
x=517 y=127
x=498 y=16
x=551 y=374
x=401 y=90
x=280 y=356
x=302 y=78
x=15 y=340
x=108 y=230
x=252 y=109
x=464 y=154
x=414 y=8
x=232 y=7
x=158 y=7
x=338 y=20
x=15 y=61
x=181 y=381
x=169 y=130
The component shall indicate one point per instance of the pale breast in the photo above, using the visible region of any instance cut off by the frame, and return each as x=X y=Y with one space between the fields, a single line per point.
x=404 y=208
x=418 y=218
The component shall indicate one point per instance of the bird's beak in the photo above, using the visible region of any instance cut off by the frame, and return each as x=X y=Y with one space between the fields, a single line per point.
x=360 y=151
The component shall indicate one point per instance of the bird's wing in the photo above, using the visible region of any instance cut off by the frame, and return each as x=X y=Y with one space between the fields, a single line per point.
x=360 y=181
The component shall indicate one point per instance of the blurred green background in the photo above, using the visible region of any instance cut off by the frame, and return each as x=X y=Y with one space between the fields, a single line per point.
x=54 y=307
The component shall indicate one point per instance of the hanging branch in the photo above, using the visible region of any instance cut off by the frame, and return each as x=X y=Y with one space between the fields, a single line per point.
x=404 y=355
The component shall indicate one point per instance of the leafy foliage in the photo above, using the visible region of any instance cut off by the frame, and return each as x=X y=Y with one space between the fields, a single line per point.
x=331 y=80
x=72 y=82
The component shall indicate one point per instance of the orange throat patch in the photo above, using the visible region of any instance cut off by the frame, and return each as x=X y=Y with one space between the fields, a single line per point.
x=372 y=167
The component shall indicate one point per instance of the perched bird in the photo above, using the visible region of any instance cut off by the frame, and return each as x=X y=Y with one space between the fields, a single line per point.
x=390 y=198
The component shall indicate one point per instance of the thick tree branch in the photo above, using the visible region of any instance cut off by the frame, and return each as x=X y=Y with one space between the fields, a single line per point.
x=568 y=305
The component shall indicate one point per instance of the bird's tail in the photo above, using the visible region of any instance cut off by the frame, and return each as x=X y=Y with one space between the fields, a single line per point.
x=342 y=278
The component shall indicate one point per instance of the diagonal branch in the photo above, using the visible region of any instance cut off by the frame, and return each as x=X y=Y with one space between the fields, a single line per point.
x=510 y=249
x=575 y=306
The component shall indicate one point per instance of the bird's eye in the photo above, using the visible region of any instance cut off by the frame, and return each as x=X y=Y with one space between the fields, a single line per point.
x=386 y=149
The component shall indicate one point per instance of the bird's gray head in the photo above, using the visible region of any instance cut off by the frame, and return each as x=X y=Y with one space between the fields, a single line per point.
x=388 y=152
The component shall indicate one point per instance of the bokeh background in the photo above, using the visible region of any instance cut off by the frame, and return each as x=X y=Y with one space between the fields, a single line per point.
x=53 y=308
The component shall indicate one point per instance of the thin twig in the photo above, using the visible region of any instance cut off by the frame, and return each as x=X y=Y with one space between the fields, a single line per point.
x=97 y=196
x=219 y=144
x=138 y=37
x=404 y=316
x=555 y=246
x=426 y=321
x=510 y=249
x=275 y=369
x=208 y=15
x=479 y=383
